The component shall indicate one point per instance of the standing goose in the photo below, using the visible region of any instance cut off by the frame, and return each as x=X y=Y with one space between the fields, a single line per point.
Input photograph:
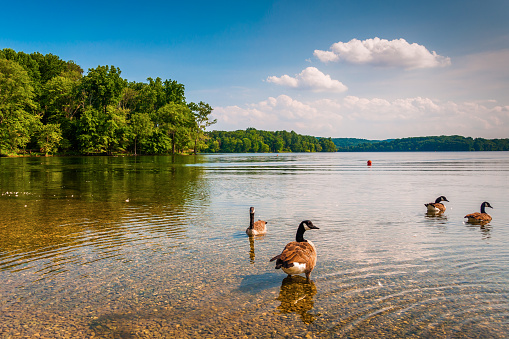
x=437 y=206
x=482 y=217
x=256 y=228
x=299 y=256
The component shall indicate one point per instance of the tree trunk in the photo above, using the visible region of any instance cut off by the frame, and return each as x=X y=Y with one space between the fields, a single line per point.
x=173 y=144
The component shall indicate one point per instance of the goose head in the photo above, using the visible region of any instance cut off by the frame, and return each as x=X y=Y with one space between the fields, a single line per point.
x=308 y=225
x=484 y=205
x=441 y=198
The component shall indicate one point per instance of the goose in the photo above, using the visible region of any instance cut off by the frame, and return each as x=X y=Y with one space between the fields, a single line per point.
x=299 y=256
x=256 y=228
x=437 y=206
x=482 y=217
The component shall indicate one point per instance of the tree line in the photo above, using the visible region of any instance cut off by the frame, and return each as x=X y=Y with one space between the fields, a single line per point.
x=256 y=141
x=426 y=144
x=48 y=104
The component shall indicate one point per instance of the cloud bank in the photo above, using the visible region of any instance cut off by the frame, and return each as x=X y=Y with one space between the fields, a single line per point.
x=310 y=79
x=385 y=53
x=371 y=118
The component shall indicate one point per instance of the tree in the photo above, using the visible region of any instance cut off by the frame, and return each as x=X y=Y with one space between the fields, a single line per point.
x=157 y=93
x=102 y=86
x=279 y=144
x=327 y=145
x=201 y=113
x=49 y=138
x=246 y=145
x=102 y=132
x=174 y=92
x=28 y=63
x=49 y=66
x=176 y=120
x=140 y=127
x=17 y=107
x=59 y=98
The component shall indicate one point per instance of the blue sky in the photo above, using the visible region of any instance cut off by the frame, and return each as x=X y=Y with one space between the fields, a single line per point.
x=363 y=69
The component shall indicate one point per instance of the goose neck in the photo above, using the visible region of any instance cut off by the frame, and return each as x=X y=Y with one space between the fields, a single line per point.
x=300 y=234
x=251 y=220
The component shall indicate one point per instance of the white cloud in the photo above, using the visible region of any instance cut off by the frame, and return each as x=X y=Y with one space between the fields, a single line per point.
x=310 y=78
x=326 y=56
x=371 y=118
x=381 y=52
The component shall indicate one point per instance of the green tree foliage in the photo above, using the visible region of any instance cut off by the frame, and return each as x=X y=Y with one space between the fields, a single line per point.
x=431 y=144
x=48 y=104
x=49 y=138
x=29 y=65
x=201 y=113
x=102 y=86
x=177 y=121
x=17 y=118
x=140 y=127
x=255 y=141
x=103 y=131
x=327 y=145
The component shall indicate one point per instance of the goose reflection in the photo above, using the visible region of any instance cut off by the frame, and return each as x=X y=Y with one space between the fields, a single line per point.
x=296 y=296
x=483 y=228
x=251 y=250
x=435 y=216
x=252 y=246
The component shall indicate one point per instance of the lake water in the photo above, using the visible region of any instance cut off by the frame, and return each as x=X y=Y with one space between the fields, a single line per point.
x=128 y=247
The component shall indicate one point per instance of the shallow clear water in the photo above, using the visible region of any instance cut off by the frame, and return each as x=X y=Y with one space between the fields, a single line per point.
x=155 y=246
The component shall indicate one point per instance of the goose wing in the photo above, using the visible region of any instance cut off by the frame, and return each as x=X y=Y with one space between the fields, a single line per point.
x=438 y=205
x=300 y=252
x=479 y=216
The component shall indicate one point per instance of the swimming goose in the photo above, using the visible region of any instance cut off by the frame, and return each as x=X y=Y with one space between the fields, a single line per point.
x=255 y=228
x=437 y=206
x=299 y=256
x=482 y=217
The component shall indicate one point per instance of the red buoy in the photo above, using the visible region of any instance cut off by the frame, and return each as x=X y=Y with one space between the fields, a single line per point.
x=369 y=162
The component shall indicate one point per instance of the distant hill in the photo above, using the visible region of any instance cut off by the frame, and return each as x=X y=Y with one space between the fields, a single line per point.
x=349 y=142
x=258 y=141
x=423 y=144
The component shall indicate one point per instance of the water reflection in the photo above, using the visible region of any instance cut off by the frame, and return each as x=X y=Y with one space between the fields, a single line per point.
x=75 y=211
x=436 y=216
x=251 y=250
x=484 y=228
x=296 y=296
x=252 y=240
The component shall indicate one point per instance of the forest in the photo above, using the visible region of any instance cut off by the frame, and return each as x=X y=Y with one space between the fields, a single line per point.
x=442 y=143
x=256 y=141
x=48 y=106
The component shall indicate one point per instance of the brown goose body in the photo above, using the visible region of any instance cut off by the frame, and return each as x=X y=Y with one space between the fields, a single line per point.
x=256 y=228
x=481 y=217
x=437 y=206
x=478 y=217
x=298 y=256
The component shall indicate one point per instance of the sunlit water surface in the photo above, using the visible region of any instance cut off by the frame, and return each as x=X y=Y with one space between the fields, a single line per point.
x=155 y=246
